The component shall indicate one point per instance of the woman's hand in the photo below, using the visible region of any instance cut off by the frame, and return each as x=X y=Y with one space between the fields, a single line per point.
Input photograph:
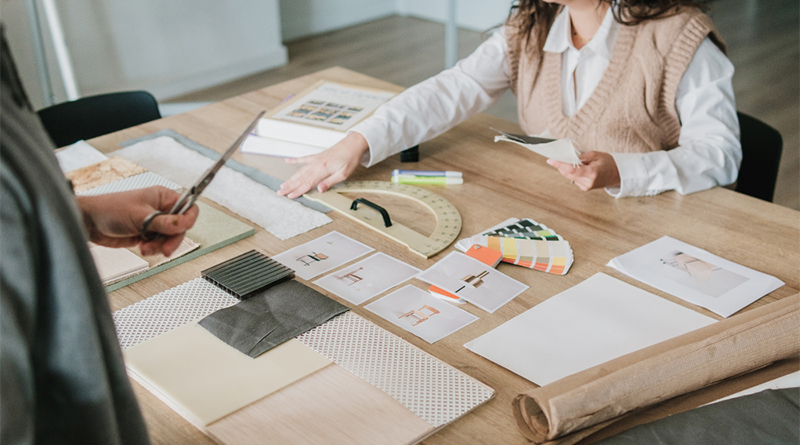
x=326 y=169
x=599 y=170
x=115 y=219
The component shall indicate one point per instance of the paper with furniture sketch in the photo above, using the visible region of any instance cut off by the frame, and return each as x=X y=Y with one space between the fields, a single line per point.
x=421 y=314
x=473 y=281
x=588 y=324
x=559 y=149
x=367 y=278
x=322 y=254
x=695 y=275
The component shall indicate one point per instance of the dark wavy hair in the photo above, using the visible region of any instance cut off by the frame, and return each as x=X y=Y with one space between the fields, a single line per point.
x=529 y=15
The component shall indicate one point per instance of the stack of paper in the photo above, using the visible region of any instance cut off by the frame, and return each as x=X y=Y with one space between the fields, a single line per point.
x=526 y=243
x=116 y=264
x=315 y=120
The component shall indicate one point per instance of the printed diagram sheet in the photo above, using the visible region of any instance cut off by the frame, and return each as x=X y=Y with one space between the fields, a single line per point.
x=367 y=278
x=473 y=281
x=588 y=324
x=321 y=255
x=421 y=314
x=333 y=106
x=695 y=275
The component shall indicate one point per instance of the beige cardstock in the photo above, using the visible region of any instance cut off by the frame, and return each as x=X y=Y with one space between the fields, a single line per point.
x=204 y=379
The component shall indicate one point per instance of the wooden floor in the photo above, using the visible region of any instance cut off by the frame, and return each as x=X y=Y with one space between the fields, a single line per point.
x=763 y=44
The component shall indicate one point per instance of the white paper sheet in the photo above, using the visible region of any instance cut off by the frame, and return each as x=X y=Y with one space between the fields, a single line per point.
x=282 y=217
x=78 y=155
x=421 y=314
x=274 y=147
x=322 y=254
x=367 y=278
x=591 y=323
x=490 y=293
x=788 y=381
x=696 y=275
x=304 y=135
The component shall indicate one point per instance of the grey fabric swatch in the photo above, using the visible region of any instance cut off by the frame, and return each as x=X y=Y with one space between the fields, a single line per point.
x=264 y=321
x=260 y=177
x=768 y=417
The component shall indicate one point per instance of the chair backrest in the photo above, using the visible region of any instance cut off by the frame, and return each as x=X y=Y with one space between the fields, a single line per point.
x=93 y=116
x=761 y=155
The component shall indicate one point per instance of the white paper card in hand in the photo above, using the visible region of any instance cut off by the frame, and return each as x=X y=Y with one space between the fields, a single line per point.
x=695 y=275
x=588 y=324
x=562 y=150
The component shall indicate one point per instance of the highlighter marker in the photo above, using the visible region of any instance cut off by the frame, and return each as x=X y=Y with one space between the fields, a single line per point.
x=447 y=174
x=429 y=180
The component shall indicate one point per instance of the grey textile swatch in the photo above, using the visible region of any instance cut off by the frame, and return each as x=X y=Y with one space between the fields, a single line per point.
x=268 y=319
x=768 y=417
x=260 y=177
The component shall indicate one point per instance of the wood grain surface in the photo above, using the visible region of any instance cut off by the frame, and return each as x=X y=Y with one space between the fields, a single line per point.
x=501 y=181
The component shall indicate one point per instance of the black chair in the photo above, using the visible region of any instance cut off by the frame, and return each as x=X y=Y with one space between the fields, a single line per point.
x=93 y=116
x=761 y=155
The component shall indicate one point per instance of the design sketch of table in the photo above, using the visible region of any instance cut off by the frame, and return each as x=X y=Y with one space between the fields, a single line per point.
x=500 y=183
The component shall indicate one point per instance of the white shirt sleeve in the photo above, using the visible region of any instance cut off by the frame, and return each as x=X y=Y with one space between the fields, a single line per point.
x=435 y=105
x=709 y=152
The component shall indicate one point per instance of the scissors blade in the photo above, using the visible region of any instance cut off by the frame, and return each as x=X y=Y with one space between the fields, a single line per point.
x=194 y=192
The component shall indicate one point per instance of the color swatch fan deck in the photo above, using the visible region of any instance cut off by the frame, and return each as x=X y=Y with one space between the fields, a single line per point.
x=526 y=243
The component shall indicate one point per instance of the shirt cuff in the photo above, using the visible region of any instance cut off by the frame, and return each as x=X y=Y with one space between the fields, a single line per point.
x=632 y=175
x=372 y=133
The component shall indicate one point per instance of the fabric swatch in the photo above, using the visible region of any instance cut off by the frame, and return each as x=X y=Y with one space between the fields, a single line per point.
x=253 y=173
x=280 y=313
x=281 y=216
x=110 y=170
x=135 y=182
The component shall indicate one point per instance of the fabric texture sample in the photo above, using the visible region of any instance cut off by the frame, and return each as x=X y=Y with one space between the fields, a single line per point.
x=281 y=216
x=768 y=417
x=95 y=175
x=264 y=321
x=140 y=181
x=255 y=174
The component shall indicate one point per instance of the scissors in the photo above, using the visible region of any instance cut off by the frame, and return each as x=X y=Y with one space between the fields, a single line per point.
x=188 y=197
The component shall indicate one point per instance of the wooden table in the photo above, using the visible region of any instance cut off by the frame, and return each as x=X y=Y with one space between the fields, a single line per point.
x=501 y=181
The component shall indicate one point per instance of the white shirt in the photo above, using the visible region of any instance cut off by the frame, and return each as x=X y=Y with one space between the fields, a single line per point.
x=709 y=152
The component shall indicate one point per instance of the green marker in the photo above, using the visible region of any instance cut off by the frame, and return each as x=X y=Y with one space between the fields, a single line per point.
x=426 y=180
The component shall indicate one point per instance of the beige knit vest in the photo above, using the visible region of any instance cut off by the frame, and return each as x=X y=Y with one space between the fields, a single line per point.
x=632 y=109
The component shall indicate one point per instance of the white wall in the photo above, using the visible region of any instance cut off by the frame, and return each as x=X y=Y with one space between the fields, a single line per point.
x=300 y=18
x=477 y=15
x=166 y=47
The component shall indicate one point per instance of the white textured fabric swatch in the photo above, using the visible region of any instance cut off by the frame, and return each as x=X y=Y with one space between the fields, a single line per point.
x=281 y=216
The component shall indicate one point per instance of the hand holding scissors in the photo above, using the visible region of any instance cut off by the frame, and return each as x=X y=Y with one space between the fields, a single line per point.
x=188 y=197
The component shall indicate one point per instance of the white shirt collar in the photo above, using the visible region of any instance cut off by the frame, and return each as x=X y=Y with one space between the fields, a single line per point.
x=602 y=43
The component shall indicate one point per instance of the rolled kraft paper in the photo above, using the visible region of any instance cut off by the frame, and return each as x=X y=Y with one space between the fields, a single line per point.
x=569 y=409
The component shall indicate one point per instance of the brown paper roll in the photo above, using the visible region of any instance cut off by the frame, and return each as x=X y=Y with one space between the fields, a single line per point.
x=576 y=406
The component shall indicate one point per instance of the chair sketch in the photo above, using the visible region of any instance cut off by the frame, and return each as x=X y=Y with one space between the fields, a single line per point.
x=314 y=257
x=350 y=278
x=417 y=316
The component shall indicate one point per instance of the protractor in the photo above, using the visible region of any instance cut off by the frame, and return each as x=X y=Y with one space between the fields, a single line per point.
x=448 y=220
